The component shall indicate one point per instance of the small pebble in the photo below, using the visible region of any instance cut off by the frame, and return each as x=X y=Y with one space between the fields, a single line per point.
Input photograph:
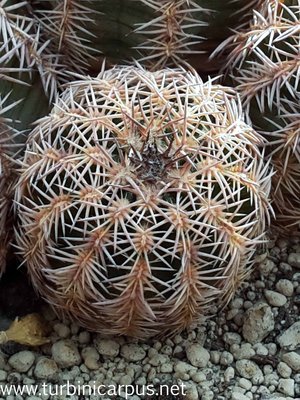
x=226 y=358
x=275 y=299
x=191 y=392
x=284 y=370
x=65 y=353
x=90 y=357
x=21 y=361
x=238 y=396
x=84 y=337
x=199 y=376
x=197 y=355
x=245 y=351
x=292 y=359
x=290 y=338
x=183 y=368
x=232 y=337
x=245 y=383
x=62 y=330
x=3 y=375
x=266 y=267
x=286 y=386
x=294 y=260
x=132 y=352
x=229 y=374
x=258 y=323
x=108 y=347
x=250 y=370
x=45 y=369
x=285 y=287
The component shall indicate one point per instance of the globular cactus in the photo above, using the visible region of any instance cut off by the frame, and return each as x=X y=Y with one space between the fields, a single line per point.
x=160 y=33
x=263 y=65
x=52 y=38
x=142 y=198
x=7 y=136
x=42 y=43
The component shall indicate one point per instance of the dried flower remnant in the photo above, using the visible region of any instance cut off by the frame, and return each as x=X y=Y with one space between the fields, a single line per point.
x=30 y=330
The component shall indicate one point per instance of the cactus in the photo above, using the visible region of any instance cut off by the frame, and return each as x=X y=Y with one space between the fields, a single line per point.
x=142 y=199
x=263 y=65
x=167 y=32
x=52 y=37
x=7 y=136
x=43 y=42
x=40 y=44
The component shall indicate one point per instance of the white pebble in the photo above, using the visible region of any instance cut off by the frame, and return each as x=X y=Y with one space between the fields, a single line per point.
x=258 y=323
x=232 y=337
x=292 y=359
x=286 y=386
x=84 y=337
x=65 y=353
x=294 y=260
x=250 y=370
x=245 y=383
x=237 y=302
x=290 y=338
x=284 y=370
x=215 y=356
x=45 y=369
x=191 y=392
x=266 y=267
x=177 y=339
x=244 y=351
x=107 y=347
x=229 y=374
x=197 y=355
x=133 y=352
x=275 y=299
x=126 y=380
x=3 y=375
x=90 y=357
x=182 y=367
x=166 y=368
x=272 y=347
x=260 y=349
x=207 y=395
x=226 y=358
x=158 y=359
x=62 y=330
x=286 y=287
x=198 y=377
x=22 y=360
x=238 y=396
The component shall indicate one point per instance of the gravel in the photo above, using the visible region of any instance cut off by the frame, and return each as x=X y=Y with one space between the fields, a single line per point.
x=248 y=351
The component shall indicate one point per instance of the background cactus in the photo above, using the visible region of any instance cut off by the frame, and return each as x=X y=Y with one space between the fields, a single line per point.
x=263 y=65
x=142 y=198
x=7 y=136
x=42 y=42
x=167 y=32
